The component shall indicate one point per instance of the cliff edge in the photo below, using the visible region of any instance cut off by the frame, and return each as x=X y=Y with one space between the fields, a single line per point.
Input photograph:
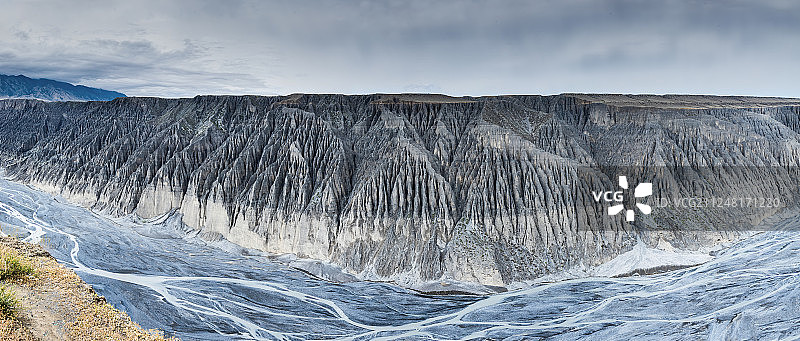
x=40 y=299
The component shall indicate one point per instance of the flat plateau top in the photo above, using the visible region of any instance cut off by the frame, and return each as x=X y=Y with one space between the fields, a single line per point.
x=686 y=101
x=616 y=100
x=422 y=98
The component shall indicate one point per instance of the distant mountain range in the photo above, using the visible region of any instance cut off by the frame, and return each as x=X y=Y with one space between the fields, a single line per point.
x=51 y=90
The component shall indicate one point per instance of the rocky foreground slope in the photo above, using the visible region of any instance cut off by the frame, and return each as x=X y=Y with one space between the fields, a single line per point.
x=52 y=303
x=418 y=187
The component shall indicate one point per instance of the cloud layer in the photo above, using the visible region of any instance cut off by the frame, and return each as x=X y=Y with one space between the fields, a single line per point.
x=468 y=47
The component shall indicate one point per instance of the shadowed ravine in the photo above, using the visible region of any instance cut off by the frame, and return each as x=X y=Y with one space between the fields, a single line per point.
x=168 y=280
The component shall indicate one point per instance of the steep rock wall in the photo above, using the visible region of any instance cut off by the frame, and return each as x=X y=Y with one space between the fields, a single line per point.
x=489 y=190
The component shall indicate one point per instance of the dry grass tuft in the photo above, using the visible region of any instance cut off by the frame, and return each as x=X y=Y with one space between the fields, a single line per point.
x=9 y=305
x=13 y=266
x=13 y=330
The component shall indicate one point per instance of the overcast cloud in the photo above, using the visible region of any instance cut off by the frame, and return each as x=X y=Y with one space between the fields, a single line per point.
x=186 y=48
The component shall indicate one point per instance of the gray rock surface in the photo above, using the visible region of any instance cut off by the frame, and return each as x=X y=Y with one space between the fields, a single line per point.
x=416 y=188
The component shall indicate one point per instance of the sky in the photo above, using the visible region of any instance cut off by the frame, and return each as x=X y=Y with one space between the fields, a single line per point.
x=467 y=47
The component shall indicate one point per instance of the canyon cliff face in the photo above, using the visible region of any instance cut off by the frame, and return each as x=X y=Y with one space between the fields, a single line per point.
x=490 y=190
